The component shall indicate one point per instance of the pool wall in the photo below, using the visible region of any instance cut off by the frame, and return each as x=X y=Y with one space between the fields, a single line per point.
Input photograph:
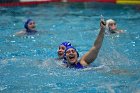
x=30 y=2
x=24 y=2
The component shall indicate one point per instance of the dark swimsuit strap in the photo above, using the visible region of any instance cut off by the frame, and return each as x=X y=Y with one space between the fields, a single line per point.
x=31 y=31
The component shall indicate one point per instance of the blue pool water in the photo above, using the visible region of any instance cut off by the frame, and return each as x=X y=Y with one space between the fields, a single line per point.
x=27 y=65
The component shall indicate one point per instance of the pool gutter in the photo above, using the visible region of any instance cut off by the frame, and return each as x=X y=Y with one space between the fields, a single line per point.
x=33 y=2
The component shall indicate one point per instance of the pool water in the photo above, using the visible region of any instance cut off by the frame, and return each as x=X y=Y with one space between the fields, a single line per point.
x=26 y=62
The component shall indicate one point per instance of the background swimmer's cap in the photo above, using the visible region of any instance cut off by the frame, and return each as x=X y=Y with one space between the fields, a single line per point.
x=66 y=44
x=69 y=48
x=109 y=21
x=26 y=23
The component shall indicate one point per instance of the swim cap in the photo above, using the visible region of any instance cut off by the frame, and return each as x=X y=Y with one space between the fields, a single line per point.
x=26 y=23
x=109 y=21
x=27 y=29
x=69 y=48
x=66 y=44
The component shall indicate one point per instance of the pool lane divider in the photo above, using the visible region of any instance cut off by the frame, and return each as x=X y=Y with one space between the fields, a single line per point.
x=31 y=2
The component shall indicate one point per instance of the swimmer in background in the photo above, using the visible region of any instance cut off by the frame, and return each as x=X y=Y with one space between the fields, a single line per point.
x=61 y=49
x=111 y=26
x=60 y=52
x=29 y=28
x=71 y=54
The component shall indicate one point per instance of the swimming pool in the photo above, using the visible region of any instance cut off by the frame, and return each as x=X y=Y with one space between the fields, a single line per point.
x=26 y=64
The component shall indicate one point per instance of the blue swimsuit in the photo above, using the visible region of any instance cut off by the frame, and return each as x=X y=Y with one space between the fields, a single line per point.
x=77 y=66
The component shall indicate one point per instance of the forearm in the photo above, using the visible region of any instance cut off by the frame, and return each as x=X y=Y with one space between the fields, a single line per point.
x=99 y=39
x=91 y=55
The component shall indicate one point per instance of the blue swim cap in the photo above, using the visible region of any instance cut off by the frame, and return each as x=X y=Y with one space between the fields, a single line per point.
x=26 y=23
x=69 y=48
x=66 y=44
x=27 y=29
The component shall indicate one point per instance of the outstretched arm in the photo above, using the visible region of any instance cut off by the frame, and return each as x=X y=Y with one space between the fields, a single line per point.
x=91 y=55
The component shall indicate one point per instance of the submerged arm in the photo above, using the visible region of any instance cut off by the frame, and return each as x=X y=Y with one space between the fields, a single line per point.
x=91 y=55
x=21 y=33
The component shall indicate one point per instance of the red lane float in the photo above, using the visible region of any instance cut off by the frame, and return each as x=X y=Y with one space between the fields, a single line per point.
x=26 y=2
x=108 y=1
